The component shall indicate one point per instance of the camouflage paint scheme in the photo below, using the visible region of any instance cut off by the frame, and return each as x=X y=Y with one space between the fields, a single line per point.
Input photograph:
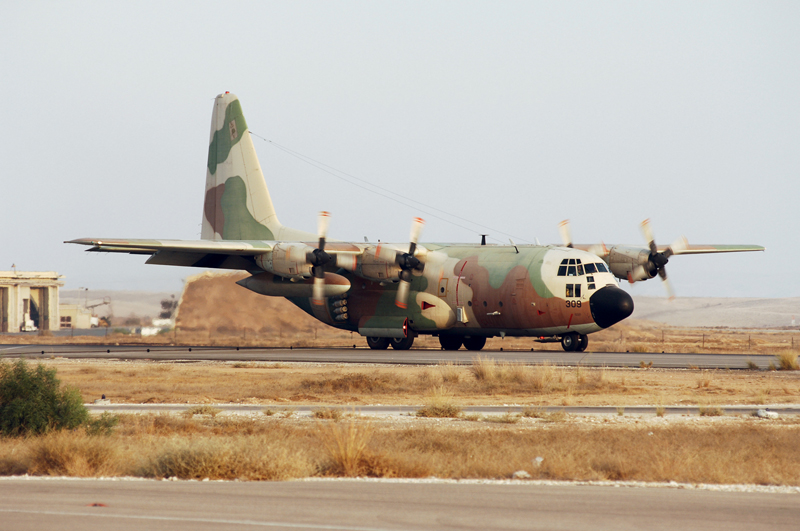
x=462 y=293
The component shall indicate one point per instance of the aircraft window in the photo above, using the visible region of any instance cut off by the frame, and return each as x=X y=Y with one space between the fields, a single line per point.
x=601 y=268
x=571 y=261
x=571 y=271
x=589 y=278
x=501 y=304
x=591 y=286
x=569 y=290
x=590 y=268
x=578 y=261
x=469 y=303
x=562 y=271
x=485 y=304
x=577 y=290
x=564 y=261
x=580 y=270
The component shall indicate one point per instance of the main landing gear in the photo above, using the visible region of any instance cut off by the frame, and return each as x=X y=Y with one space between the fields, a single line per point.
x=574 y=342
x=454 y=342
x=397 y=343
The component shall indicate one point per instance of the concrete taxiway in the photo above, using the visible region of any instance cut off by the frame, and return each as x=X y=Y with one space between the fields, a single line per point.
x=359 y=505
x=368 y=356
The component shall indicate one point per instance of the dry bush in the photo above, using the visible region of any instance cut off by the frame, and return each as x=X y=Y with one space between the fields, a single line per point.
x=345 y=445
x=543 y=377
x=247 y=458
x=484 y=369
x=710 y=411
x=787 y=361
x=506 y=418
x=73 y=454
x=327 y=413
x=356 y=383
x=202 y=410
x=450 y=372
x=439 y=404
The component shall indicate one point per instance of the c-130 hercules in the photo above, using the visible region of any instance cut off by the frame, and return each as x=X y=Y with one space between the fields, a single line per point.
x=391 y=293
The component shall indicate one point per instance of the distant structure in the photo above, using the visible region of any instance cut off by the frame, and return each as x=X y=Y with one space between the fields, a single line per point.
x=76 y=316
x=29 y=301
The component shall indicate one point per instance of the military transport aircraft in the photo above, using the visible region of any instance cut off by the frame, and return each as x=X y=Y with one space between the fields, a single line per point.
x=391 y=293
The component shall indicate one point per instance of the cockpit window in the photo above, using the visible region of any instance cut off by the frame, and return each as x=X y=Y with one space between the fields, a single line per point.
x=580 y=270
x=590 y=268
x=571 y=261
x=562 y=270
x=564 y=261
x=601 y=268
x=571 y=271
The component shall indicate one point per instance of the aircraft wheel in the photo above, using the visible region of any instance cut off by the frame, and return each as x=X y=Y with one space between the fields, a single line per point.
x=569 y=342
x=583 y=342
x=402 y=343
x=378 y=343
x=474 y=342
x=450 y=342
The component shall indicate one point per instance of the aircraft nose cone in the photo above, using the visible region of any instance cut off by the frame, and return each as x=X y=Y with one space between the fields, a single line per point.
x=610 y=305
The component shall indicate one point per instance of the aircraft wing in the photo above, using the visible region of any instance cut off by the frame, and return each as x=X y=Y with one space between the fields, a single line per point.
x=192 y=253
x=706 y=249
x=602 y=250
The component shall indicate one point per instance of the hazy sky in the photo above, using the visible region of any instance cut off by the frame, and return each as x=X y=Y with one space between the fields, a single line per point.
x=512 y=115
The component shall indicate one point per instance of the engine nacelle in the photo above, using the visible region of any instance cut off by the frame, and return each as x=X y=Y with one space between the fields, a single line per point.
x=631 y=263
x=287 y=260
x=377 y=263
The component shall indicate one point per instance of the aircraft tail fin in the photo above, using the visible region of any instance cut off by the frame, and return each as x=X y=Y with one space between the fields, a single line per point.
x=237 y=203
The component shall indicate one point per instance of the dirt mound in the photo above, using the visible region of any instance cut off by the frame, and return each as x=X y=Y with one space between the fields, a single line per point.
x=214 y=302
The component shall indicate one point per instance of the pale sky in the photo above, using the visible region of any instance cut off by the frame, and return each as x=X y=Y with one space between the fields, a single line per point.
x=512 y=115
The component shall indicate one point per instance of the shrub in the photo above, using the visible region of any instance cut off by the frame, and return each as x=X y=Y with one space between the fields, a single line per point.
x=32 y=401
x=787 y=361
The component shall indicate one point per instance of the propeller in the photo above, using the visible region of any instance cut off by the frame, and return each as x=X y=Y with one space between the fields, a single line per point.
x=566 y=233
x=408 y=262
x=658 y=261
x=318 y=258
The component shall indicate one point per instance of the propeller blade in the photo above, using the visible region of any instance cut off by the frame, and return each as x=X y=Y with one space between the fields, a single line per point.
x=648 y=235
x=401 y=301
x=323 y=221
x=318 y=293
x=668 y=287
x=566 y=233
x=416 y=229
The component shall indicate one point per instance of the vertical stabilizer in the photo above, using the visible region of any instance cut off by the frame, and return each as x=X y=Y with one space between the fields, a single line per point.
x=237 y=203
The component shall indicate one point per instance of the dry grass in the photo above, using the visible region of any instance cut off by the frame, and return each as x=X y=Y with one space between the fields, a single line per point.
x=345 y=445
x=744 y=450
x=787 y=361
x=202 y=410
x=545 y=384
x=327 y=413
x=439 y=404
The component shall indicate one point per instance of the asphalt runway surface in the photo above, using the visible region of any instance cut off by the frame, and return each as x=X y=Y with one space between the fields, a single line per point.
x=94 y=505
x=389 y=356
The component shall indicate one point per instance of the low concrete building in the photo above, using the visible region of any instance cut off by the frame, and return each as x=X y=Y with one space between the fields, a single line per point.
x=29 y=301
x=75 y=316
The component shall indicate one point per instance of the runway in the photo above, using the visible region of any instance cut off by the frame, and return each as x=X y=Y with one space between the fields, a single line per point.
x=368 y=356
x=363 y=505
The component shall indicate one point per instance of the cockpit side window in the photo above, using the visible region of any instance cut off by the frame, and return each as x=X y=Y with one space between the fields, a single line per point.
x=580 y=270
x=590 y=268
x=601 y=268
